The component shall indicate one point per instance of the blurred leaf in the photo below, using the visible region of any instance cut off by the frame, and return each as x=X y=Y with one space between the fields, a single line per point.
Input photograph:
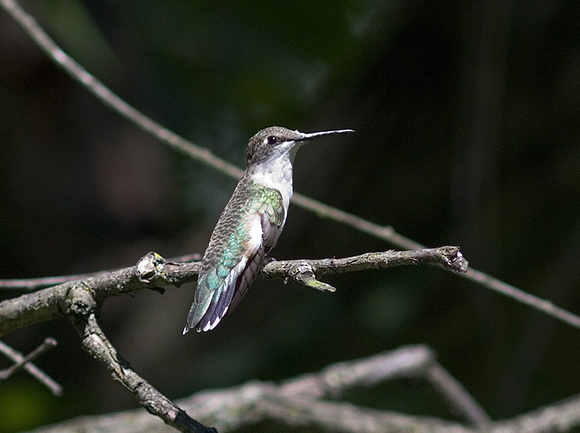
x=23 y=404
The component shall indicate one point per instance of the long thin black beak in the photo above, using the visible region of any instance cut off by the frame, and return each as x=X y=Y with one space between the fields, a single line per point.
x=310 y=135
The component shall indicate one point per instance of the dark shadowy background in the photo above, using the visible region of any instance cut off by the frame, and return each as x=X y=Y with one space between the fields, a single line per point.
x=467 y=117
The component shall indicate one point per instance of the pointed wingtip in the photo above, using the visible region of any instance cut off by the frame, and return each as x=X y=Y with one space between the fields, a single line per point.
x=186 y=329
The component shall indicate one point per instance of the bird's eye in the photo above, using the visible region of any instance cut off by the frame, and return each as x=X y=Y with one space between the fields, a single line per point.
x=272 y=139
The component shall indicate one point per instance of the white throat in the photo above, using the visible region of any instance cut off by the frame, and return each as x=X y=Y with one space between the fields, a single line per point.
x=276 y=174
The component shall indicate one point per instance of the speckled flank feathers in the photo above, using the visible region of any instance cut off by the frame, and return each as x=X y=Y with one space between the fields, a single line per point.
x=247 y=229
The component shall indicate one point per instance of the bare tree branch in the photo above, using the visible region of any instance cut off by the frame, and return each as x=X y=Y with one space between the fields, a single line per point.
x=457 y=395
x=154 y=272
x=24 y=363
x=80 y=301
x=448 y=257
x=99 y=347
x=539 y=304
x=46 y=345
x=176 y=142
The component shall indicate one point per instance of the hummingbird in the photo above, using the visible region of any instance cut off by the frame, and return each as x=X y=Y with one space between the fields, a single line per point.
x=249 y=225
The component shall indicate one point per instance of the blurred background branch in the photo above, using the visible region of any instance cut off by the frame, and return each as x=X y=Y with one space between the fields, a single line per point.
x=309 y=401
x=22 y=362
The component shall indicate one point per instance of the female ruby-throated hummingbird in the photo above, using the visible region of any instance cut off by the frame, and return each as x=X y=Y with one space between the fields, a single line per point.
x=249 y=226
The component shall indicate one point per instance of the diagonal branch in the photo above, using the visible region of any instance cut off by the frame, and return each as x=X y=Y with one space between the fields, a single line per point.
x=95 y=342
x=46 y=345
x=456 y=394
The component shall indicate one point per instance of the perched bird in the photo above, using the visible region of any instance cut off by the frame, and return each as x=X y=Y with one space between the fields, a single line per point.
x=249 y=226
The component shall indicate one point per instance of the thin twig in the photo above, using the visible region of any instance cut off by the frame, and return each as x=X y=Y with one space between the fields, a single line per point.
x=386 y=233
x=457 y=395
x=306 y=272
x=23 y=362
x=28 y=284
x=108 y=97
x=543 y=305
x=449 y=257
x=46 y=345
